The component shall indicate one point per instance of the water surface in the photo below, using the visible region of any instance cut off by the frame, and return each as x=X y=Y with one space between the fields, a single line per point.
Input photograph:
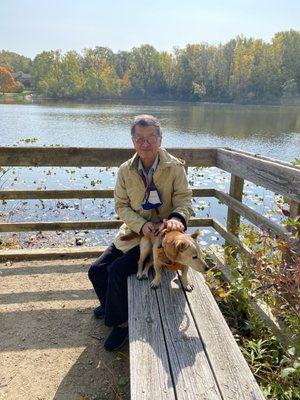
x=272 y=131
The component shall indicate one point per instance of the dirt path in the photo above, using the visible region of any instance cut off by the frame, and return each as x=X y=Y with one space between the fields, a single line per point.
x=51 y=346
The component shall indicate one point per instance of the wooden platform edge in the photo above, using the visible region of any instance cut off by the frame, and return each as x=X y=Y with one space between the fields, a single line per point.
x=50 y=253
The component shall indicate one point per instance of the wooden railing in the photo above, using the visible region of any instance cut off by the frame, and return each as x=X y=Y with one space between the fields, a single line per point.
x=277 y=176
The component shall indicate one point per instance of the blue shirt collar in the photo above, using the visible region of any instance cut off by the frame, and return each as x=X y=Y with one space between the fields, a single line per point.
x=152 y=168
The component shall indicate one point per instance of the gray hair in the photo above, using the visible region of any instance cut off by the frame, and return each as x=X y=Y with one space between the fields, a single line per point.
x=146 y=120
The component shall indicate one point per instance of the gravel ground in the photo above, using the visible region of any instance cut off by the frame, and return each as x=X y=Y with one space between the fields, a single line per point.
x=51 y=345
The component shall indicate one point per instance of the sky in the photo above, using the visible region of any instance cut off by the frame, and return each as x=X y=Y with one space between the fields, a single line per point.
x=31 y=26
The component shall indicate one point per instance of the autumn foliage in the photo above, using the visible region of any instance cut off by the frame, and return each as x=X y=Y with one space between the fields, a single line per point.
x=7 y=81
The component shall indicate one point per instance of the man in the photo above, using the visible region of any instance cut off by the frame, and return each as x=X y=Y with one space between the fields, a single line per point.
x=151 y=187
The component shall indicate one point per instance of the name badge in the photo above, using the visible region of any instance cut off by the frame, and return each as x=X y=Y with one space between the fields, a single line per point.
x=152 y=199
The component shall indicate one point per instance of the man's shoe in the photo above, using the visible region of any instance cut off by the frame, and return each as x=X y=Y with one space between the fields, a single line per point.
x=99 y=311
x=116 y=339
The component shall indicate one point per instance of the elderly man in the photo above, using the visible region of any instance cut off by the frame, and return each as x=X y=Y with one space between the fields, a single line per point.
x=151 y=187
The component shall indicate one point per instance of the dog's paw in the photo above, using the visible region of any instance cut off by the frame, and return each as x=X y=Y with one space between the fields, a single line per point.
x=154 y=284
x=139 y=276
x=145 y=276
x=189 y=288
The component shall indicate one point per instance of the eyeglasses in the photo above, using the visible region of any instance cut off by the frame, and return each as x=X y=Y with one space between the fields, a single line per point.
x=140 y=140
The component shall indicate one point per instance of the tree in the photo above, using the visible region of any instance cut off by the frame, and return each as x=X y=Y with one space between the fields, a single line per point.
x=145 y=71
x=102 y=80
x=287 y=56
x=46 y=73
x=72 y=83
x=122 y=63
x=15 y=62
x=194 y=70
x=221 y=70
x=167 y=64
x=7 y=82
x=242 y=69
x=245 y=81
x=290 y=91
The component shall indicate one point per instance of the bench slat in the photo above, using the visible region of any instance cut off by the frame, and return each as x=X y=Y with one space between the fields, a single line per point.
x=150 y=376
x=192 y=375
x=231 y=370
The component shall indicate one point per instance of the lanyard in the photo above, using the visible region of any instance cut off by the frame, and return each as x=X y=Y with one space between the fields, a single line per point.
x=148 y=187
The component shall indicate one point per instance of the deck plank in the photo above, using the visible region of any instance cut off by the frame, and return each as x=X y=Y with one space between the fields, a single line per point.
x=231 y=370
x=149 y=366
x=192 y=374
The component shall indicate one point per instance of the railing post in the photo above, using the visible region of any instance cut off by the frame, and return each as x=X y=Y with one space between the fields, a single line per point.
x=233 y=218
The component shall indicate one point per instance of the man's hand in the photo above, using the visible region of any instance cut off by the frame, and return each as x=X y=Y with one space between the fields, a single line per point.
x=147 y=229
x=173 y=224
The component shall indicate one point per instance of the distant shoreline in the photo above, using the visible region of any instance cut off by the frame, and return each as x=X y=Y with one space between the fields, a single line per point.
x=31 y=97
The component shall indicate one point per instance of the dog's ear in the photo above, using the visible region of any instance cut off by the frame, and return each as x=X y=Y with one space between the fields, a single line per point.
x=181 y=245
x=195 y=234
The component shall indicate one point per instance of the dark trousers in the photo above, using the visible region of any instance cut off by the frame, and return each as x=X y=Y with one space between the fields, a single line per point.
x=108 y=275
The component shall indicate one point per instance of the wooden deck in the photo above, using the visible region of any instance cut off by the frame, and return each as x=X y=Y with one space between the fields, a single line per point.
x=180 y=344
x=181 y=347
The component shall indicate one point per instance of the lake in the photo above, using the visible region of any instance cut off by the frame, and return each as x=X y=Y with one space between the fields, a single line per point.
x=272 y=131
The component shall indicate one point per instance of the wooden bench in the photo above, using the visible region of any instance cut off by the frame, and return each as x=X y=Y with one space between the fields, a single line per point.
x=181 y=346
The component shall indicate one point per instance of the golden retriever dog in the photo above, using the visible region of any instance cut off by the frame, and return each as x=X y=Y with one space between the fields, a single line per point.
x=175 y=250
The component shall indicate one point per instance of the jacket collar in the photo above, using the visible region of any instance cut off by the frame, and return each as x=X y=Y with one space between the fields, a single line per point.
x=165 y=160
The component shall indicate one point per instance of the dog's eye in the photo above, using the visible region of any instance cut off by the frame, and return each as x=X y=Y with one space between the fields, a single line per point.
x=195 y=257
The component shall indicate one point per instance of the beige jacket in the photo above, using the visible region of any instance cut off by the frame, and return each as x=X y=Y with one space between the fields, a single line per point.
x=171 y=181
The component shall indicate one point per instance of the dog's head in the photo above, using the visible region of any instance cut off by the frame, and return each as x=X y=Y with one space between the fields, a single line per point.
x=184 y=249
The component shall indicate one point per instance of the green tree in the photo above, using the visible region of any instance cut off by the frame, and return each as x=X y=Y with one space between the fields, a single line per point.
x=102 y=80
x=244 y=81
x=242 y=69
x=194 y=70
x=287 y=56
x=221 y=70
x=15 y=62
x=46 y=73
x=72 y=84
x=145 y=72
x=167 y=64
x=122 y=62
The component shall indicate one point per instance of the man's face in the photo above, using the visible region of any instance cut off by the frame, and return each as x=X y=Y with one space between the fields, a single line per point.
x=146 y=149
